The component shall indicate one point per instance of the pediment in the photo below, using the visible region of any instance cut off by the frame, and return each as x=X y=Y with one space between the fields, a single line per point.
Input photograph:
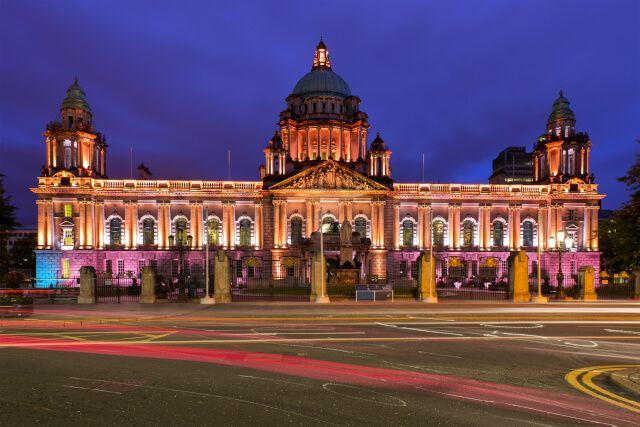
x=66 y=223
x=329 y=175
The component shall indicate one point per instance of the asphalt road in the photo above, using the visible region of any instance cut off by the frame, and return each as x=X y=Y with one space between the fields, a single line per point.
x=302 y=365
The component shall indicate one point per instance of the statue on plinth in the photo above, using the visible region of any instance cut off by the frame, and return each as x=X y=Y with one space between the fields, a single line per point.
x=346 y=247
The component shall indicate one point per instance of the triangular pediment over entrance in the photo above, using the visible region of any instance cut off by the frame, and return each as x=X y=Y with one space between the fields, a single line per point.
x=327 y=176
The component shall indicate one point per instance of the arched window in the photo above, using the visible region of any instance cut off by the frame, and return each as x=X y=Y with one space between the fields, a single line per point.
x=438 y=233
x=361 y=227
x=181 y=231
x=115 y=229
x=326 y=224
x=296 y=229
x=407 y=232
x=245 y=232
x=148 y=232
x=467 y=233
x=498 y=233
x=213 y=231
x=527 y=233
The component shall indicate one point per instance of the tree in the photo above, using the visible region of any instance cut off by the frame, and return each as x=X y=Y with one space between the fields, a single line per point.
x=7 y=223
x=620 y=235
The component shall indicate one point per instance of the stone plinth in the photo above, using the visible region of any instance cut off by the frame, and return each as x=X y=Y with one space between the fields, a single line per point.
x=148 y=290
x=346 y=277
x=87 y=285
x=587 y=283
x=519 y=277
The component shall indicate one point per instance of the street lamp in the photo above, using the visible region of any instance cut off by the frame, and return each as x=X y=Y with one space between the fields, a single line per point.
x=180 y=247
x=207 y=299
x=566 y=242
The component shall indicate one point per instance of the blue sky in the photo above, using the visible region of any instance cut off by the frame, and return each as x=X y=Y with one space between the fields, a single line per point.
x=182 y=82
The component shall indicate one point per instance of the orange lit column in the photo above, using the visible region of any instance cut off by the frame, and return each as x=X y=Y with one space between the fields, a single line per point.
x=427 y=227
x=127 y=225
x=487 y=227
x=283 y=223
x=257 y=212
x=586 y=229
x=81 y=224
x=381 y=224
x=42 y=223
x=421 y=225
x=374 y=224
x=594 y=228
x=161 y=230
x=225 y=225
x=542 y=228
x=134 y=225
x=341 y=211
x=481 y=210
x=276 y=223
x=451 y=220
x=99 y=224
x=396 y=226
x=90 y=221
x=511 y=226
x=51 y=226
x=559 y=225
x=311 y=225
x=516 y=231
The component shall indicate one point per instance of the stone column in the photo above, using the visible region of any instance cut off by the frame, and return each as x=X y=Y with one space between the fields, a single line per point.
x=381 y=223
x=586 y=229
x=450 y=220
x=456 y=226
x=341 y=211
x=81 y=224
x=42 y=223
x=148 y=286
x=551 y=230
x=309 y=217
x=222 y=277
x=309 y=153
x=135 y=227
x=421 y=225
x=193 y=218
x=232 y=225
x=511 y=226
x=428 y=227
x=162 y=236
x=481 y=210
x=374 y=224
x=283 y=223
x=594 y=228
x=225 y=225
x=340 y=146
x=276 y=223
x=329 y=145
x=100 y=219
x=167 y=223
x=52 y=235
x=396 y=226
x=426 y=278
x=516 y=231
x=90 y=220
x=559 y=225
x=487 y=227
x=542 y=228
x=350 y=211
x=257 y=212
x=127 y=224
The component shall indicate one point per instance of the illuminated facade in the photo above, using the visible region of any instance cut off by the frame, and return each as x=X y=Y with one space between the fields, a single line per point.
x=320 y=157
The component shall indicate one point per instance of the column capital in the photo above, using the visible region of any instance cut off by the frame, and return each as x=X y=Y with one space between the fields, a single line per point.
x=163 y=203
x=195 y=203
x=454 y=205
x=485 y=205
x=515 y=207
x=378 y=202
x=396 y=206
x=228 y=203
x=543 y=208
x=424 y=206
x=279 y=201
x=257 y=204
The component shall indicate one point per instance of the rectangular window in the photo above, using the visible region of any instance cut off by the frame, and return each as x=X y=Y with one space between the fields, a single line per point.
x=174 y=268
x=120 y=267
x=66 y=269
x=68 y=237
x=573 y=267
x=153 y=263
x=108 y=266
x=414 y=269
x=140 y=266
x=68 y=211
x=504 y=266
x=403 y=268
x=571 y=215
x=186 y=267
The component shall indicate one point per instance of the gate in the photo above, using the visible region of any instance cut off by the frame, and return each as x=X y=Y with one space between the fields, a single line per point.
x=457 y=278
x=283 y=279
x=117 y=289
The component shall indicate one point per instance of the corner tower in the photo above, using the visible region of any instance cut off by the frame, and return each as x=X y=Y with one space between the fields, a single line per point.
x=72 y=144
x=323 y=119
x=561 y=155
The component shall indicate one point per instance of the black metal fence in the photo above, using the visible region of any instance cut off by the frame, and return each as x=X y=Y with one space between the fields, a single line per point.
x=281 y=279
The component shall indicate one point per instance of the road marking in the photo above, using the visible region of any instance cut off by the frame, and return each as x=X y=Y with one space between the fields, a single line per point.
x=582 y=379
x=443 y=355
x=419 y=330
x=91 y=389
x=622 y=332
x=328 y=387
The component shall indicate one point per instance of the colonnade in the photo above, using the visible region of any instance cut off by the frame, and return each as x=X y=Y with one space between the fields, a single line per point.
x=350 y=144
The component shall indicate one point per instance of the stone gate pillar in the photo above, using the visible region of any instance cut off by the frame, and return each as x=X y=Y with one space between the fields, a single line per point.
x=519 y=277
x=427 y=278
x=587 y=283
x=148 y=291
x=318 y=270
x=636 y=283
x=222 y=277
x=87 y=285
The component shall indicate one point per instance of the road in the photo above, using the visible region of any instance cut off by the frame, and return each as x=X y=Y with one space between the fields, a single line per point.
x=301 y=364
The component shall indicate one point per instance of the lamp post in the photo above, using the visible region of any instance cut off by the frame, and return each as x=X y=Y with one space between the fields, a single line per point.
x=180 y=247
x=322 y=298
x=566 y=242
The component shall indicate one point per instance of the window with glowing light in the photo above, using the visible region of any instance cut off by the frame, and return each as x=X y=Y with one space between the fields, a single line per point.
x=407 y=232
x=245 y=232
x=498 y=233
x=361 y=227
x=213 y=231
x=68 y=211
x=296 y=229
x=467 y=233
x=181 y=231
x=115 y=231
x=148 y=232
x=527 y=233
x=66 y=269
x=438 y=233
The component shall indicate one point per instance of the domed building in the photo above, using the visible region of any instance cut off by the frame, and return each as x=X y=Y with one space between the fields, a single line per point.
x=320 y=170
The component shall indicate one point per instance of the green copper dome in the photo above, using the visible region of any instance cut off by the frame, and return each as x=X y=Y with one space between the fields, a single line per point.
x=561 y=109
x=322 y=81
x=76 y=98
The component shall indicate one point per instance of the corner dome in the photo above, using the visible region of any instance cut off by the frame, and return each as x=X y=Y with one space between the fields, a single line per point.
x=378 y=144
x=560 y=109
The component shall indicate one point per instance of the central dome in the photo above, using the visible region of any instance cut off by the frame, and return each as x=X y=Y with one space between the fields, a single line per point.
x=321 y=80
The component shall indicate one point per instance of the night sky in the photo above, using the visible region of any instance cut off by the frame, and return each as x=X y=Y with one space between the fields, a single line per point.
x=182 y=82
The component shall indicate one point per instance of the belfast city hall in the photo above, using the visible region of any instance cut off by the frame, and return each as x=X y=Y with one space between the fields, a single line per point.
x=323 y=169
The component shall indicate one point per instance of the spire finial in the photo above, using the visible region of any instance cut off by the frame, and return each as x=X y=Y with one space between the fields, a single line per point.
x=75 y=80
x=378 y=134
x=561 y=93
x=322 y=56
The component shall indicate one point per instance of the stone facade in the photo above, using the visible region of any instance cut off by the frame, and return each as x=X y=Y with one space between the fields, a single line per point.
x=318 y=162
